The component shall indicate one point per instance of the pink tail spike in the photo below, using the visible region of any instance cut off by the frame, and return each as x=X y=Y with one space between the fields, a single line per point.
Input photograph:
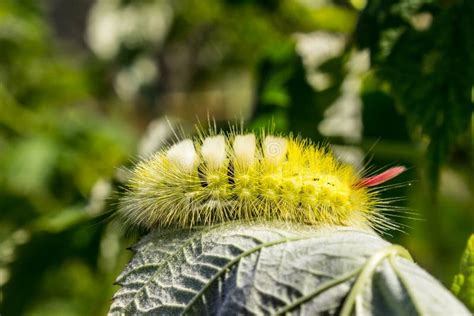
x=381 y=177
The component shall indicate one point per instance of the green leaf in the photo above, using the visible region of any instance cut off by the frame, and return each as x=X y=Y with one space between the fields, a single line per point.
x=274 y=269
x=429 y=67
x=463 y=283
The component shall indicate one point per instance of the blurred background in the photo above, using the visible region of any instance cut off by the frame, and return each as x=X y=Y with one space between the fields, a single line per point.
x=85 y=87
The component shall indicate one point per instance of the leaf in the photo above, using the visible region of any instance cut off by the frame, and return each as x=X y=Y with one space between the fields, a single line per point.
x=429 y=67
x=463 y=283
x=273 y=269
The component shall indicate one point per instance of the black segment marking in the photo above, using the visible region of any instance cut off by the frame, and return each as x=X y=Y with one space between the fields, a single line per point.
x=230 y=173
x=202 y=176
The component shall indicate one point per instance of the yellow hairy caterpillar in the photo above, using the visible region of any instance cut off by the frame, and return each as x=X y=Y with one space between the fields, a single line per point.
x=236 y=176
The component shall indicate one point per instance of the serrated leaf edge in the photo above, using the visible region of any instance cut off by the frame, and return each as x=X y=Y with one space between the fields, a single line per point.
x=164 y=262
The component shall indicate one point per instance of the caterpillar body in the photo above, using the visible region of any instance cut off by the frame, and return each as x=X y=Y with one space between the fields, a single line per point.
x=236 y=176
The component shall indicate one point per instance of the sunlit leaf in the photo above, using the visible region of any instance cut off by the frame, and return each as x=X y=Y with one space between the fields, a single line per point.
x=271 y=269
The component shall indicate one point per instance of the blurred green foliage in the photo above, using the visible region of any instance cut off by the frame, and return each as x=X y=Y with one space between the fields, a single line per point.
x=72 y=115
x=55 y=145
x=429 y=42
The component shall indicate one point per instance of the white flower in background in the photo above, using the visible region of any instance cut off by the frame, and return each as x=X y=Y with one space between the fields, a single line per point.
x=111 y=24
x=129 y=79
x=315 y=49
x=344 y=117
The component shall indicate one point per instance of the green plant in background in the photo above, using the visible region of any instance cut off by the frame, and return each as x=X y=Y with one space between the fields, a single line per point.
x=463 y=283
x=58 y=148
x=429 y=42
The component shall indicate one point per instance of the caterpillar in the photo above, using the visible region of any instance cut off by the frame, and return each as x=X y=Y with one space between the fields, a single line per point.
x=218 y=177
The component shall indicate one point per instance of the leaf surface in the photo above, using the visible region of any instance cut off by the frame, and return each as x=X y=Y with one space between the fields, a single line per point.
x=273 y=269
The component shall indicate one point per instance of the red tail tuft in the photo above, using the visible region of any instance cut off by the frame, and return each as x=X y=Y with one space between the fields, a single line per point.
x=381 y=177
